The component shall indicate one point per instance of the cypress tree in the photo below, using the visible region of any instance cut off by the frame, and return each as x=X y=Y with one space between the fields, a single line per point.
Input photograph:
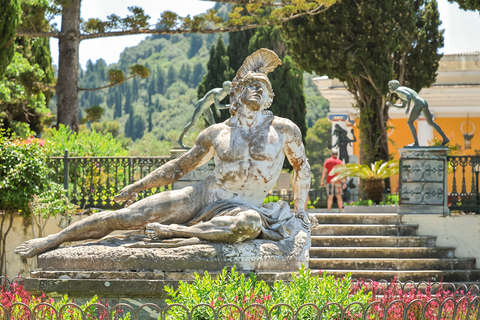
x=150 y=123
x=196 y=42
x=217 y=69
x=160 y=81
x=237 y=51
x=135 y=89
x=197 y=74
x=128 y=100
x=171 y=76
x=118 y=103
x=9 y=18
x=188 y=75
x=129 y=125
x=138 y=127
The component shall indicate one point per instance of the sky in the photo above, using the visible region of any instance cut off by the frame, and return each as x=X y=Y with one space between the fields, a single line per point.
x=461 y=27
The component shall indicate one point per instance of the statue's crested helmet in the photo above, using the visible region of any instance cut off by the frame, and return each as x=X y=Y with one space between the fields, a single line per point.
x=255 y=68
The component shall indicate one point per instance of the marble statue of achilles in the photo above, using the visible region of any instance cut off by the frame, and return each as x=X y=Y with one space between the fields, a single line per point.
x=249 y=150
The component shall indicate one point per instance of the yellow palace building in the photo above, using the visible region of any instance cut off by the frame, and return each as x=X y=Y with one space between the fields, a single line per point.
x=454 y=101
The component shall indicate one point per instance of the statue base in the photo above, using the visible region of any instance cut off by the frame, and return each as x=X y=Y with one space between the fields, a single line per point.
x=131 y=265
x=423 y=180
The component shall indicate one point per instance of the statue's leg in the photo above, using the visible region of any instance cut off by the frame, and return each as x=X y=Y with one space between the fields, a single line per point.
x=185 y=130
x=209 y=116
x=244 y=226
x=413 y=116
x=195 y=117
x=178 y=206
x=428 y=117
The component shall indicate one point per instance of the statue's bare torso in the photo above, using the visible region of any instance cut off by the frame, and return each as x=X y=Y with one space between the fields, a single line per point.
x=248 y=161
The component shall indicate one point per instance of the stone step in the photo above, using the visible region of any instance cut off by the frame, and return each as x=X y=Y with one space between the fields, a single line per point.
x=372 y=241
x=365 y=229
x=357 y=218
x=382 y=252
x=391 y=264
x=455 y=276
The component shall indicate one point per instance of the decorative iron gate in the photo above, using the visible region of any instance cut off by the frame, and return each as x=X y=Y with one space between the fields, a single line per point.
x=463 y=183
x=92 y=182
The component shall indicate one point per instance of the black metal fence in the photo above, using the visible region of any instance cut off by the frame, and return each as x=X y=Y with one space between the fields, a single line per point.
x=92 y=182
x=409 y=301
x=318 y=197
x=463 y=193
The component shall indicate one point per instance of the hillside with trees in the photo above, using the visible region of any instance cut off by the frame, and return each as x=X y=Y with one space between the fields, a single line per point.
x=148 y=115
x=161 y=103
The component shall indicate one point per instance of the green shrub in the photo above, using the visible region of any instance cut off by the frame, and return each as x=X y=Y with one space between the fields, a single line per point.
x=82 y=144
x=271 y=199
x=236 y=288
x=23 y=173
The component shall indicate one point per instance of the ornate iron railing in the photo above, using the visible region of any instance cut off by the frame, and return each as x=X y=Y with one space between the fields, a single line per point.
x=92 y=182
x=463 y=178
x=318 y=197
x=462 y=303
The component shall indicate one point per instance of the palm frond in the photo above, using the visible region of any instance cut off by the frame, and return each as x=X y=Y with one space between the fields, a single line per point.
x=376 y=171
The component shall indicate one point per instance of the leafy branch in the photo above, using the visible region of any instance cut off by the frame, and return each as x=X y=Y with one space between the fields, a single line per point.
x=252 y=16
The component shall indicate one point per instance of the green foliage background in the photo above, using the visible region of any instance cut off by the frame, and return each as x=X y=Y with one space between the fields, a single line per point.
x=365 y=44
x=9 y=16
x=162 y=104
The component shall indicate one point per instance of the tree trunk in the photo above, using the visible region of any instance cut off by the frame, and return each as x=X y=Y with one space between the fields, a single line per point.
x=373 y=133
x=67 y=84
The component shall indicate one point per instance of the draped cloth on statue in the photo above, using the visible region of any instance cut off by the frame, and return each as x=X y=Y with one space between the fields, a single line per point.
x=277 y=221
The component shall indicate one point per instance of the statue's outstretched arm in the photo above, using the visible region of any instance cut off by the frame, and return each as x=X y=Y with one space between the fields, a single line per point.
x=199 y=154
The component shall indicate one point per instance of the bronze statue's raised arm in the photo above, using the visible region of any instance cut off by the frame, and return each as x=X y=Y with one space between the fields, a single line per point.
x=173 y=170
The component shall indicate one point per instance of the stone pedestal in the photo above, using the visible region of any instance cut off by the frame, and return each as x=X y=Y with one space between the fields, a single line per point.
x=133 y=266
x=423 y=180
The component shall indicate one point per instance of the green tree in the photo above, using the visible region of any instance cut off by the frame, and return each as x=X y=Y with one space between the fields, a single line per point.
x=197 y=74
x=21 y=111
x=128 y=101
x=360 y=43
x=9 y=16
x=217 y=73
x=138 y=127
x=318 y=144
x=171 y=76
x=467 y=4
x=160 y=81
x=22 y=102
x=73 y=31
x=130 y=125
x=195 y=45
x=118 y=105
x=237 y=51
x=287 y=81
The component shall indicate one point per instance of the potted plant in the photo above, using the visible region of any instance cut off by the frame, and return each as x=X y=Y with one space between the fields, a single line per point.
x=373 y=176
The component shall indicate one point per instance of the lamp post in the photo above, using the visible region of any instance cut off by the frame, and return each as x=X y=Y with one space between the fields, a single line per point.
x=467 y=136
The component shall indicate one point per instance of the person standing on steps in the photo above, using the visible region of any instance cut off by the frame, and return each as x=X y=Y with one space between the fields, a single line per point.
x=333 y=188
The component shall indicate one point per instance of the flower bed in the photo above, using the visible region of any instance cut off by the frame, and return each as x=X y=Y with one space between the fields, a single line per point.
x=232 y=295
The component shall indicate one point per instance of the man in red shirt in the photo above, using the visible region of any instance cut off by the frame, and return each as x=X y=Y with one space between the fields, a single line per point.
x=333 y=188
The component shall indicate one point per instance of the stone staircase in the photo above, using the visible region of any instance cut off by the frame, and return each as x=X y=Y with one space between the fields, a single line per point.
x=378 y=246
